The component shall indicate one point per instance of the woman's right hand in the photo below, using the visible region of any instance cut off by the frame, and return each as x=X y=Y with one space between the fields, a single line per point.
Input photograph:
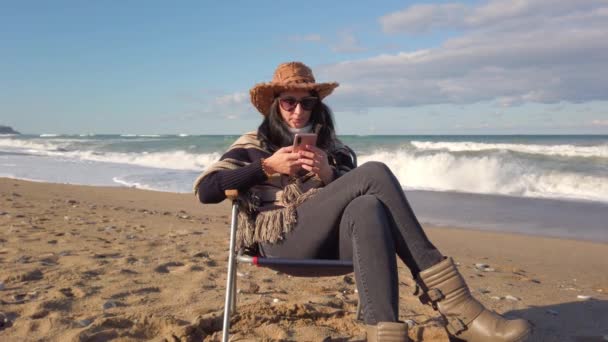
x=283 y=161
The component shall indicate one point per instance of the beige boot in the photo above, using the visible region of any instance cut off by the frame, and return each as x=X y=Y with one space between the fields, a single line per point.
x=387 y=332
x=467 y=318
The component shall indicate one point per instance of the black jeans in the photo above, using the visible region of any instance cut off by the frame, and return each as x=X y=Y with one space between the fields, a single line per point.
x=362 y=216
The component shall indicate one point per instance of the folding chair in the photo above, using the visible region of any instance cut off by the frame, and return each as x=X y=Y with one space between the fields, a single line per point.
x=325 y=267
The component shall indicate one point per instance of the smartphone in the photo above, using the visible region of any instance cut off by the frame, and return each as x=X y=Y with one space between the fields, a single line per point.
x=301 y=139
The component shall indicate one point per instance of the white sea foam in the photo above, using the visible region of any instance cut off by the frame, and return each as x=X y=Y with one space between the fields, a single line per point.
x=177 y=160
x=443 y=171
x=30 y=145
x=29 y=179
x=600 y=151
x=141 y=135
x=137 y=185
x=430 y=165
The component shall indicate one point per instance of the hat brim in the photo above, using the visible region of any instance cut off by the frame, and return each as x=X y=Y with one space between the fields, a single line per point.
x=262 y=94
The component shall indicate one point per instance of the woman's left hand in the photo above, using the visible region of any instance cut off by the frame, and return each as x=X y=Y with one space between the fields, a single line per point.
x=314 y=159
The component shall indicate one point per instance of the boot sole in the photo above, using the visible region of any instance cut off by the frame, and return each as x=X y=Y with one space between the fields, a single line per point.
x=521 y=338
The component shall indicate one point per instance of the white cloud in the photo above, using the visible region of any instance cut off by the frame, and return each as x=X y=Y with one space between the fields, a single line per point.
x=425 y=17
x=231 y=106
x=509 y=52
x=234 y=99
x=347 y=43
x=215 y=103
x=420 y=18
x=344 y=42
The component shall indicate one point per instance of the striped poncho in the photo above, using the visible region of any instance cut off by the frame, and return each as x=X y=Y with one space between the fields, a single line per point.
x=267 y=208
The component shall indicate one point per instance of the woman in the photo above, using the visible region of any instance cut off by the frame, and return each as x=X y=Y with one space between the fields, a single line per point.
x=314 y=204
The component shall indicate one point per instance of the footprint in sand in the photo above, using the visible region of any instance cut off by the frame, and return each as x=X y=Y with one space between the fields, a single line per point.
x=137 y=292
x=106 y=255
x=196 y=268
x=141 y=328
x=89 y=274
x=49 y=260
x=45 y=308
x=104 y=335
x=210 y=263
x=7 y=319
x=72 y=292
x=206 y=259
x=165 y=268
x=25 y=276
x=124 y=271
x=39 y=314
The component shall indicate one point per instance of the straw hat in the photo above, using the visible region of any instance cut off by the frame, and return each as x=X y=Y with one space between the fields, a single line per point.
x=287 y=76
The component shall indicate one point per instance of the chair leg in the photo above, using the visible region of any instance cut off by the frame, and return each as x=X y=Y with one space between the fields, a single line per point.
x=234 y=293
x=231 y=276
x=359 y=316
x=229 y=304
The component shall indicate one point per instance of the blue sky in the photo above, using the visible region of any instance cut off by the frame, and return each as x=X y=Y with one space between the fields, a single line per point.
x=474 y=67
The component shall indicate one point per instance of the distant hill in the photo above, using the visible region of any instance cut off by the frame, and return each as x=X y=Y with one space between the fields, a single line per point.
x=7 y=130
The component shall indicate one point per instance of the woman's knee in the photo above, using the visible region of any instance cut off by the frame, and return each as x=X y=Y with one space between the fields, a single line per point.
x=375 y=169
x=377 y=172
x=365 y=204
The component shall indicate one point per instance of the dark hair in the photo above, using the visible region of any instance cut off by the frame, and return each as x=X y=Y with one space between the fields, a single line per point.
x=274 y=132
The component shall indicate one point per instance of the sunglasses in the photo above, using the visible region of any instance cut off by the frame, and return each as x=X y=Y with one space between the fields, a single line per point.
x=289 y=103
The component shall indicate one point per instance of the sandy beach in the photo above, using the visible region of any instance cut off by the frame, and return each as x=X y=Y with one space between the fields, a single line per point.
x=82 y=263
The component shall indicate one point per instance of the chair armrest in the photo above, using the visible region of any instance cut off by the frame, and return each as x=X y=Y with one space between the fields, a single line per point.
x=232 y=194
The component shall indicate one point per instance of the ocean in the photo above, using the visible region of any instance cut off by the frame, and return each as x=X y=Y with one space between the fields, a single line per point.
x=549 y=185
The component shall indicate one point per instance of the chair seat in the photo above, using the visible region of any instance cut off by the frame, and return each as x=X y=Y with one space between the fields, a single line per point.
x=264 y=261
x=301 y=267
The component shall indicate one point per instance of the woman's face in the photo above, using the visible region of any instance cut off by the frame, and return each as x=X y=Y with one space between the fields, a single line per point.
x=296 y=116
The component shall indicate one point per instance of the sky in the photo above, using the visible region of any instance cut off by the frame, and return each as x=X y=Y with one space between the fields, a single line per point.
x=404 y=67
